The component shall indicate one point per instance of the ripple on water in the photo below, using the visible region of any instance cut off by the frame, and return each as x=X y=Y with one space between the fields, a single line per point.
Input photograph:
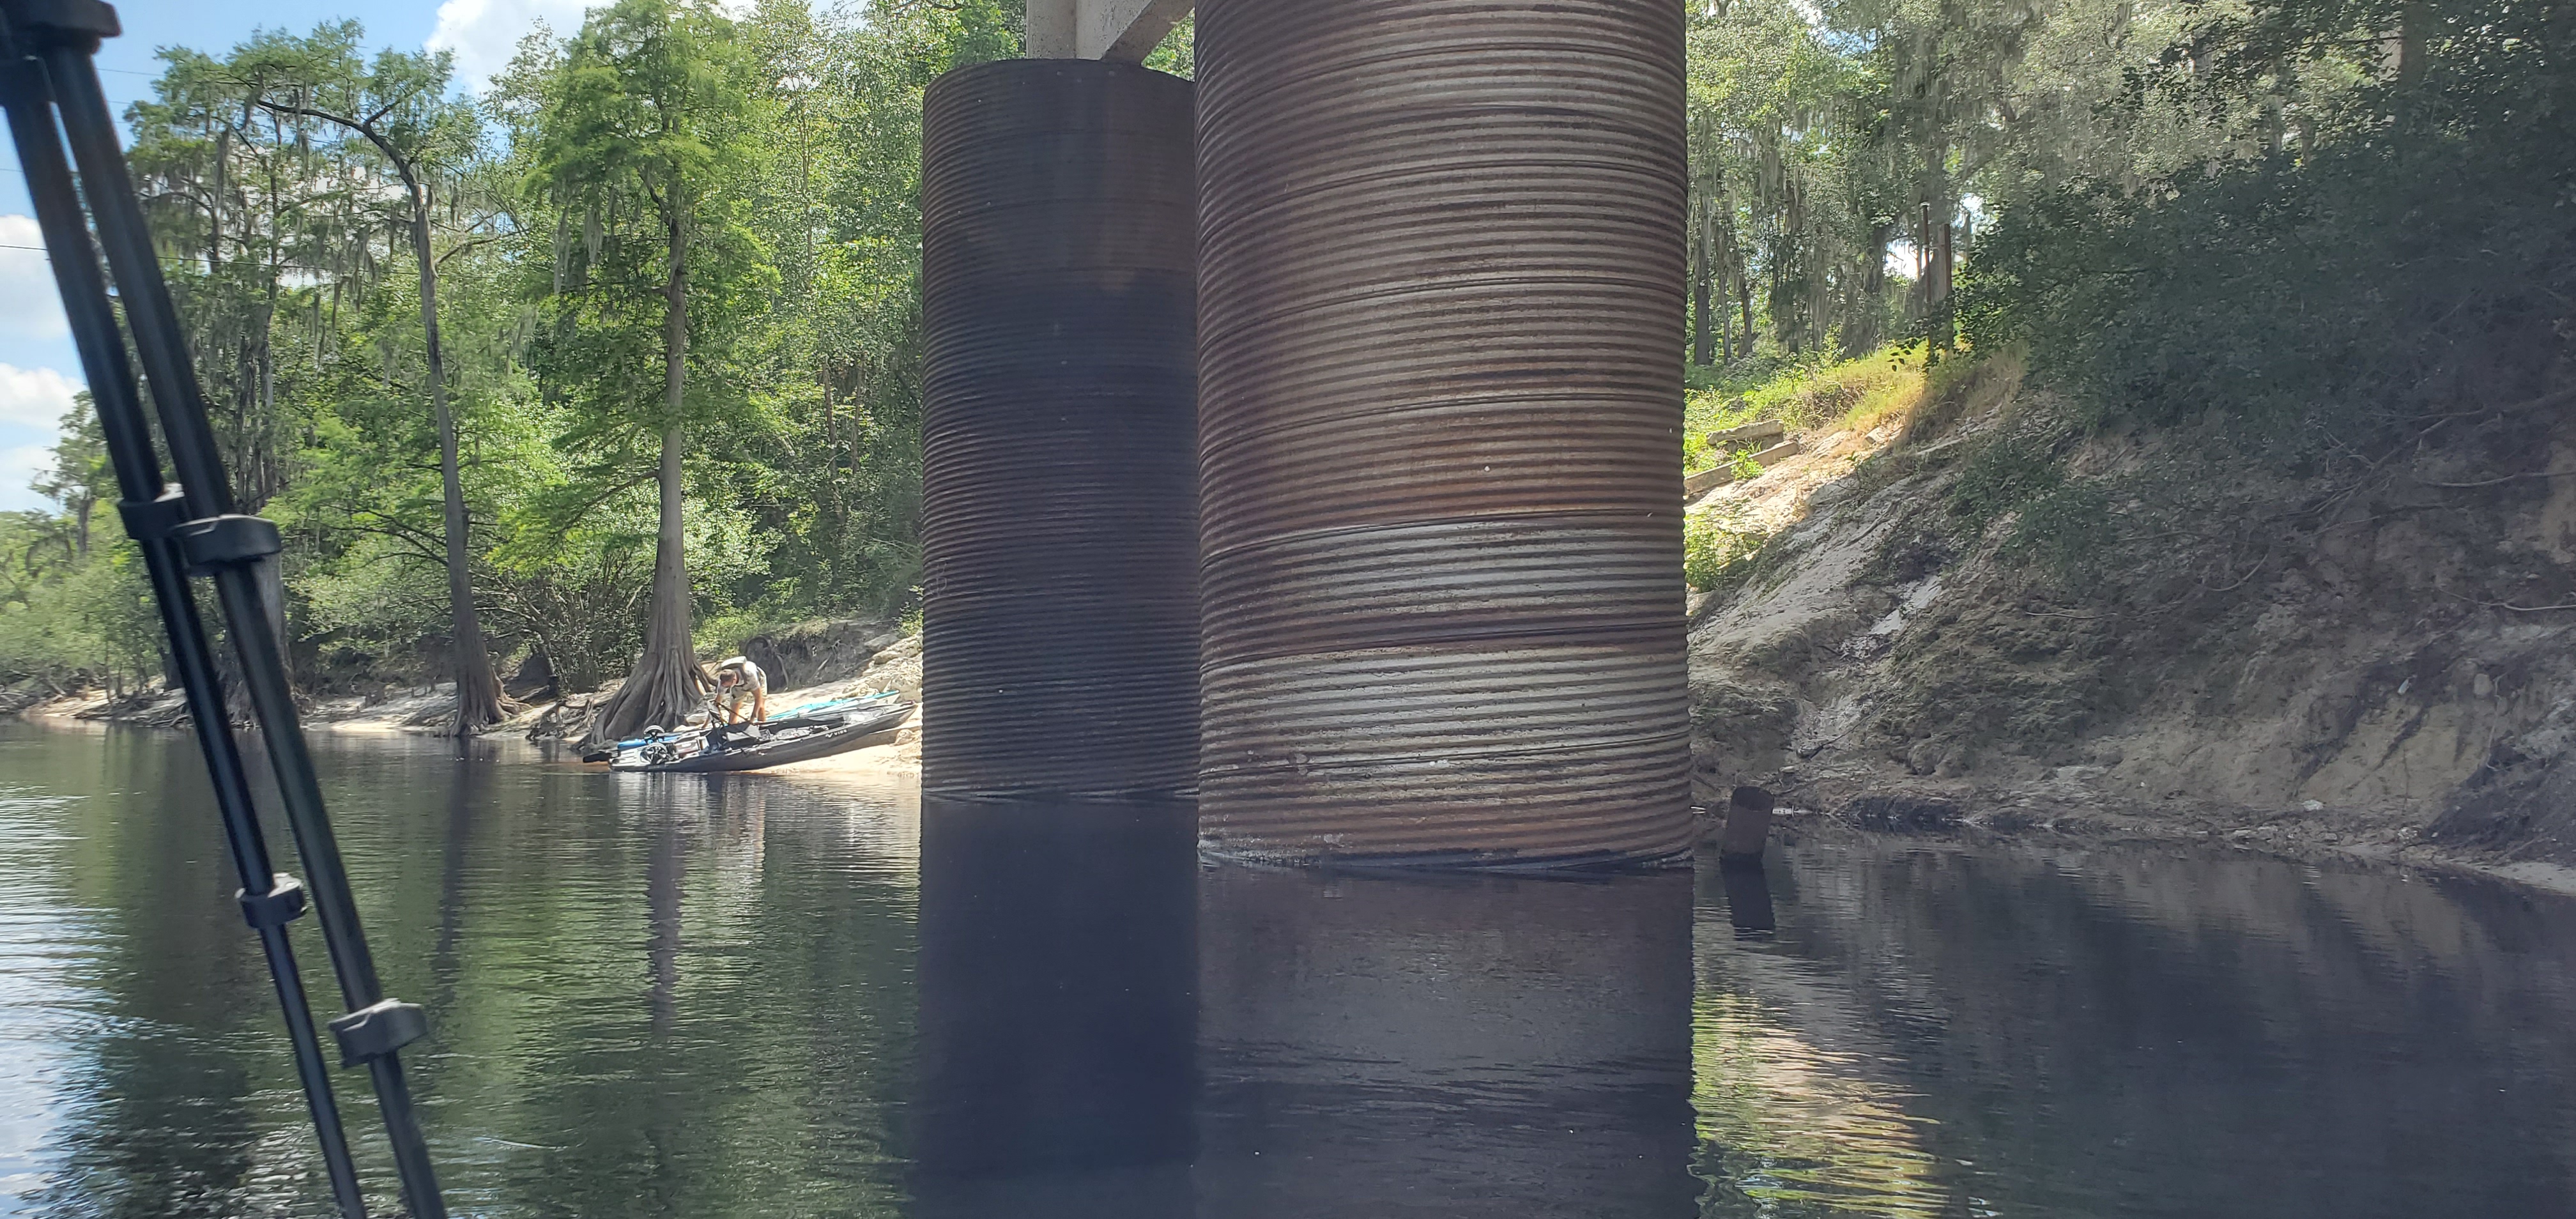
x=739 y=996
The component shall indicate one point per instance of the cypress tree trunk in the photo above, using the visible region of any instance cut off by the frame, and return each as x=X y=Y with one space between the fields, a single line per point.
x=1861 y=332
x=478 y=690
x=1744 y=297
x=1938 y=205
x=667 y=685
x=1722 y=253
x=2415 y=28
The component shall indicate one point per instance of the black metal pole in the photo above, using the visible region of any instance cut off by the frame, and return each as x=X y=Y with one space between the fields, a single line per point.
x=264 y=894
x=192 y=529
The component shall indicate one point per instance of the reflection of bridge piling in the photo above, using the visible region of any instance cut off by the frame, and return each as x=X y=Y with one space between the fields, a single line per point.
x=1440 y=1046
x=1058 y=1013
x=1748 y=901
x=1438 y=276
x=1108 y=1030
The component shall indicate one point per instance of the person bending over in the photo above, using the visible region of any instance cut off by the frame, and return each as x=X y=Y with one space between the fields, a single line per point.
x=737 y=679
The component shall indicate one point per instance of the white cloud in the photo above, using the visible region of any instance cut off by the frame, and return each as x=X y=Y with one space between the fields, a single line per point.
x=19 y=467
x=29 y=308
x=485 y=33
x=34 y=397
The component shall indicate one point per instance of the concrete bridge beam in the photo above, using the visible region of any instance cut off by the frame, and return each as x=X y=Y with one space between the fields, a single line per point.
x=1120 y=31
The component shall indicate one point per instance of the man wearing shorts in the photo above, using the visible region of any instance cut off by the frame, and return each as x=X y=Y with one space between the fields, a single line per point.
x=738 y=679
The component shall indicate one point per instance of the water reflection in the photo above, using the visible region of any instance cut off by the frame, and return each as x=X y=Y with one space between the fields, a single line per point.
x=703 y=996
x=1787 y=1125
x=711 y=1033
x=1387 y=1045
x=2138 y=1033
x=1058 y=1010
x=468 y=790
x=149 y=1106
x=1748 y=901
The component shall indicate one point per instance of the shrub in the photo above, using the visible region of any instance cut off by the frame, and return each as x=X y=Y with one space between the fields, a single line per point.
x=1718 y=545
x=2412 y=252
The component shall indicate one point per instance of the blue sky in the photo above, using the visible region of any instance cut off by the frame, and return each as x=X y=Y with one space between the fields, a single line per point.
x=38 y=370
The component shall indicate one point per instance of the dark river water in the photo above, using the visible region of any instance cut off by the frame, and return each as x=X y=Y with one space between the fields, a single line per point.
x=765 y=996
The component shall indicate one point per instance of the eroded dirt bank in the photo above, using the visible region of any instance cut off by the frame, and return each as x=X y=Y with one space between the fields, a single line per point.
x=1977 y=617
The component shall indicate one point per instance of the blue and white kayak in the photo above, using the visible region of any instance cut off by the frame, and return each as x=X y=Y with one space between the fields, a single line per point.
x=815 y=730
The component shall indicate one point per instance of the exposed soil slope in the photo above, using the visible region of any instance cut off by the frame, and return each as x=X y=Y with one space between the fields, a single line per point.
x=2170 y=638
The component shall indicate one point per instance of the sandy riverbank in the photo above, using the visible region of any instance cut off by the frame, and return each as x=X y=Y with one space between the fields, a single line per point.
x=425 y=710
x=894 y=765
x=2064 y=809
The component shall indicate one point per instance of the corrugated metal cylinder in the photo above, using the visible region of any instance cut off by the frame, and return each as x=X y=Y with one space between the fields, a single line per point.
x=1440 y=369
x=1060 y=503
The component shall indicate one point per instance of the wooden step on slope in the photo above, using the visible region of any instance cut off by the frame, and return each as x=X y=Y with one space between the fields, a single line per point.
x=1721 y=475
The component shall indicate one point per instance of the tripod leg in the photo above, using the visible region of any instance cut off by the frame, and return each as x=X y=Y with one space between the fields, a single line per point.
x=138 y=474
x=376 y=1027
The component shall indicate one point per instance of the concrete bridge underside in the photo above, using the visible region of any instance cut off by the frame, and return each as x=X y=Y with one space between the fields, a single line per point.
x=1119 y=31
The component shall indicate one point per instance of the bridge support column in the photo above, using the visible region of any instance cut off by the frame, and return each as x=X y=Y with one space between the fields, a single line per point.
x=1059 y=513
x=1440 y=361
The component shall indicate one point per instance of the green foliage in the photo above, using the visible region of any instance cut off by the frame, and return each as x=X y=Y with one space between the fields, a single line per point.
x=644 y=133
x=68 y=619
x=1178 y=53
x=2018 y=465
x=794 y=136
x=1781 y=173
x=1807 y=391
x=2394 y=241
x=1842 y=153
x=1718 y=545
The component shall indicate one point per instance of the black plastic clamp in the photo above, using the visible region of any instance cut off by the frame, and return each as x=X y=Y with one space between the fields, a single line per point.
x=279 y=906
x=224 y=541
x=85 y=18
x=378 y=1029
x=148 y=520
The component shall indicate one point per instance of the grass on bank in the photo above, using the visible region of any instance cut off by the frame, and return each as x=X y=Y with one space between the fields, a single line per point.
x=1811 y=394
x=1805 y=393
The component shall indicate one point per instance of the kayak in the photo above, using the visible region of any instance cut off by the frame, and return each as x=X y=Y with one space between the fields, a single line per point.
x=823 y=709
x=814 y=731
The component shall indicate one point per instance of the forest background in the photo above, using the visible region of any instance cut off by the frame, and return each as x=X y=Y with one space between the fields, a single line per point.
x=619 y=355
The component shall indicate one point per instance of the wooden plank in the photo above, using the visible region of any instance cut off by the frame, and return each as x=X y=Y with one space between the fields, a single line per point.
x=1759 y=429
x=1706 y=479
x=1724 y=472
x=1771 y=456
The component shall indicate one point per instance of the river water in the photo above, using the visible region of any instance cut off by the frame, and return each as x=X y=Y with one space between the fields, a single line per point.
x=766 y=996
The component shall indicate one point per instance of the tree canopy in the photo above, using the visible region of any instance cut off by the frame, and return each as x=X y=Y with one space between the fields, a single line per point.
x=637 y=327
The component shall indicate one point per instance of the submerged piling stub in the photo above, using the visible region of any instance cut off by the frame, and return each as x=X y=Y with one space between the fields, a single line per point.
x=1059 y=478
x=1440 y=370
x=1747 y=829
